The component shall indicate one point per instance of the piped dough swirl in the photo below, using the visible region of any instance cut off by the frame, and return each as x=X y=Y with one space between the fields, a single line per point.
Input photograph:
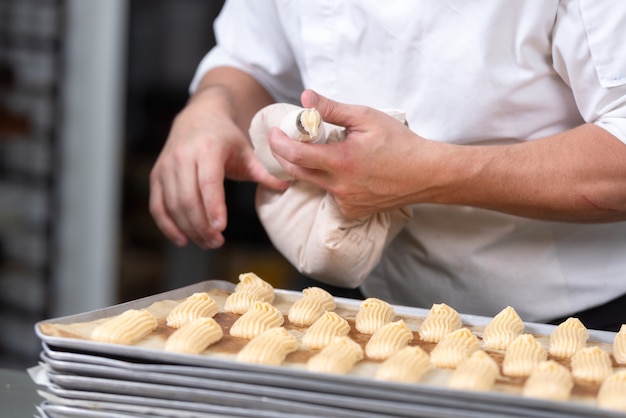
x=322 y=332
x=270 y=347
x=478 y=372
x=612 y=394
x=522 y=355
x=338 y=357
x=250 y=289
x=198 y=305
x=454 y=348
x=567 y=338
x=388 y=339
x=440 y=321
x=503 y=329
x=127 y=328
x=619 y=345
x=549 y=380
x=311 y=306
x=591 y=365
x=373 y=314
x=194 y=337
x=407 y=365
x=258 y=319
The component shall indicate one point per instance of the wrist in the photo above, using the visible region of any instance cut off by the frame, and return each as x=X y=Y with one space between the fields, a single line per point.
x=216 y=98
x=233 y=93
x=453 y=173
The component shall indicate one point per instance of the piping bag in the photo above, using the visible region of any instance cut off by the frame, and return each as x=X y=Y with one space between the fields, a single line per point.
x=303 y=222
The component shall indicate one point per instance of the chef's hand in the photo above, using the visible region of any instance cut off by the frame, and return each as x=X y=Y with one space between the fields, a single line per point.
x=204 y=146
x=382 y=165
x=366 y=172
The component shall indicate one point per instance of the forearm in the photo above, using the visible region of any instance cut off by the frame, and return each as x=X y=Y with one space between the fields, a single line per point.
x=233 y=92
x=575 y=176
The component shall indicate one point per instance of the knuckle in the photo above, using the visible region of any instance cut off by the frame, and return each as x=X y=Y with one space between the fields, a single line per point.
x=291 y=170
x=363 y=112
x=179 y=156
x=186 y=203
x=345 y=209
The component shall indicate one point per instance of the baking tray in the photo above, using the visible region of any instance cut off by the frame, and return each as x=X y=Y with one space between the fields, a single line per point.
x=51 y=410
x=370 y=399
x=154 y=406
x=54 y=410
x=409 y=404
x=232 y=380
x=316 y=404
x=367 y=399
x=318 y=385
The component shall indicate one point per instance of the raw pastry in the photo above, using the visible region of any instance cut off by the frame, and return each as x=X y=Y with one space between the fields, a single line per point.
x=567 y=338
x=523 y=354
x=407 y=365
x=251 y=282
x=549 y=380
x=478 y=372
x=612 y=394
x=454 y=348
x=440 y=321
x=591 y=365
x=195 y=337
x=259 y=318
x=338 y=357
x=251 y=288
x=126 y=328
x=388 y=339
x=270 y=348
x=198 y=305
x=373 y=314
x=619 y=345
x=503 y=329
x=321 y=333
x=240 y=302
x=311 y=306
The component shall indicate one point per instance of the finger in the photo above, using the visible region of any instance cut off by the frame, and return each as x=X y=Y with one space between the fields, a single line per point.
x=190 y=213
x=259 y=174
x=288 y=152
x=302 y=161
x=162 y=218
x=316 y=177
x=175 y=198
x=331 y=111
x=211 y=186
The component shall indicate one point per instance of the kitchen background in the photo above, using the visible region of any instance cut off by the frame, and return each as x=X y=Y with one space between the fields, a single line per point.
x=88 y=90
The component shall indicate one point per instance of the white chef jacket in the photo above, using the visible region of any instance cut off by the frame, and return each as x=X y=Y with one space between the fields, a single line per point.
x=465 y=72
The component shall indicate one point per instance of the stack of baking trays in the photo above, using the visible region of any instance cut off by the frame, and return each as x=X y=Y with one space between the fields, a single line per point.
x=80 y=377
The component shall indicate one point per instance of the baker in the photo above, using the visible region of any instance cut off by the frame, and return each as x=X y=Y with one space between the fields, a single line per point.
x=513 y=162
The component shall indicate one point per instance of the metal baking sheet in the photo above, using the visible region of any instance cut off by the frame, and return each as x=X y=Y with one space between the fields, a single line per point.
x=355 y=386
x=316 y=407
x=337 y=395
x=154 y=406
x=230 y=380
x=53 y=410
x=415 y=404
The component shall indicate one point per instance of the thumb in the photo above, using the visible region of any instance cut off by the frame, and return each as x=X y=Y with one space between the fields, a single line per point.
x=340 y=114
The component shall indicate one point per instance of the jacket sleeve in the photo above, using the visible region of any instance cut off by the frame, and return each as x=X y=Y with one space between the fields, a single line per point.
x=250 y=36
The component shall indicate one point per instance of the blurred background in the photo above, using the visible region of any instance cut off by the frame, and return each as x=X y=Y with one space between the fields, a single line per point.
x=88 y=90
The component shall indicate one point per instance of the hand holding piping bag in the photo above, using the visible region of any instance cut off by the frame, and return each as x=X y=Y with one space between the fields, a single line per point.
x=366 y=170
x=304 y=222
